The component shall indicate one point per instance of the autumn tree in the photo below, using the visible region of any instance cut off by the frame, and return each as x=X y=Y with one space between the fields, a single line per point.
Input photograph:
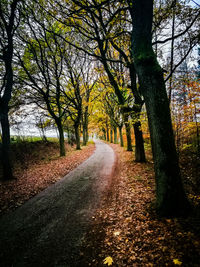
x=10 y=15
x=89 y=81
x=110 y=105
x=170 y=196
x=73 y=91
x=42 y=63
x=97 y=28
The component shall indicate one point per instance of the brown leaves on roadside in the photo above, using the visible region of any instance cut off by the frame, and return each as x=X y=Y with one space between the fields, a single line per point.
x=127 y=227
x=40 y=171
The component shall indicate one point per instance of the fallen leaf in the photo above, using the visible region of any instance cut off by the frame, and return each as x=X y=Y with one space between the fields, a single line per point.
x=116 y=233
x=177 y=262
x=108 y=260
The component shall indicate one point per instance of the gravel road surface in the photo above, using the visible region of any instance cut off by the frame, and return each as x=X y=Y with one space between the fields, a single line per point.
x=48 y=229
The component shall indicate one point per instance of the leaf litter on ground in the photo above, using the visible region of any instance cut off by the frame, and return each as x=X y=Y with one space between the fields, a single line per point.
x=127 y=228
x=36 y=169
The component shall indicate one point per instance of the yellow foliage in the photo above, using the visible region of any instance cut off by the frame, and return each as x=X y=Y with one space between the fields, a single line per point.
x=177 y=262
x=108 y=260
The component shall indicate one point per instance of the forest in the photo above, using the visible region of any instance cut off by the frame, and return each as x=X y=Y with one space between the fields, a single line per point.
x=123 y=73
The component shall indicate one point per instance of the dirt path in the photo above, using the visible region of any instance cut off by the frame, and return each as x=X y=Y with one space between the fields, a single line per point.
x=48 y=229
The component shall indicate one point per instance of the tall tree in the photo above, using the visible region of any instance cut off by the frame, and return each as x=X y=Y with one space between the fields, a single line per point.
x=98 y=24
x=43 y=63
x=10 y=13
x=171 y=199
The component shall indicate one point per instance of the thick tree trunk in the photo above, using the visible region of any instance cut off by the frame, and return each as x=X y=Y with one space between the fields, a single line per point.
x=111 y=136
x=139 y=143
x=8 y=30
x=77 y=135
x=128 y=133
x=5 y=148
x=61 y=138
x=115 y=135
x=170 y=196
x=121 y=136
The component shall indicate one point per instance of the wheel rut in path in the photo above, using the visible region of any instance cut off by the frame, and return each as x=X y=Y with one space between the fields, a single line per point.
x=48 y=229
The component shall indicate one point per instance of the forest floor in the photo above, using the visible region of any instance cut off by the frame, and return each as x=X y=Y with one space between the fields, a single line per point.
x=126 y=230
x=38 y=165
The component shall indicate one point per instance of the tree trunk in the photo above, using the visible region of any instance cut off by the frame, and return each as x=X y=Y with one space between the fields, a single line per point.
x=107 y=134
x=104 y=133
x=115 y=135
x=170 y=196
x=85 y=127
x=61 y=138
x=139 y=143
x=77 y=135
x=121 y=136
x=84 y=136
x=128 y=133
x=5 y=149
x=44 y=138
x=111 y=136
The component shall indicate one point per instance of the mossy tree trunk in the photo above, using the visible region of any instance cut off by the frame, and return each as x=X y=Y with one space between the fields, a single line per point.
x=128 y=133
x=170 y=196
x=139 y=143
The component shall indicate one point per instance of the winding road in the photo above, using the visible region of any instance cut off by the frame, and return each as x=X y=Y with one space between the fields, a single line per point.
x=48 y=229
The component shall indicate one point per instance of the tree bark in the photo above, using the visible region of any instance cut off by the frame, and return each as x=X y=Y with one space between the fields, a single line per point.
x=107 y=135
x=121 y=136
x=107 y=132
x=111 y=135
x=104 y=133
x=4 y=101
x=139 y=143
x=5 y=148
x=128 y=133
x=77 y=135
x=84 y=135
x=61 y=138
x=115 y=135
x=170 y=196
x=85 y=127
